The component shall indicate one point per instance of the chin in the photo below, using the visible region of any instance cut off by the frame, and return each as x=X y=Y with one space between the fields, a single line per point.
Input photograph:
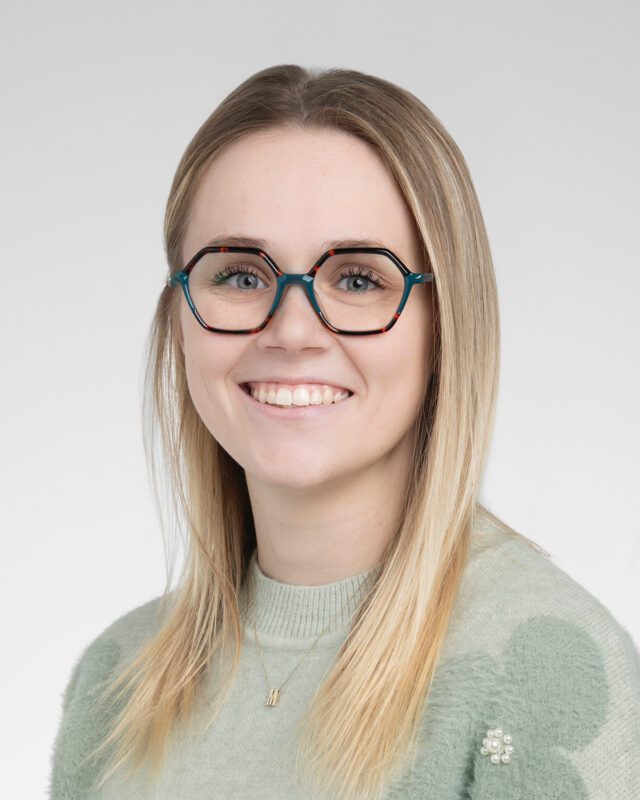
x=290 y=474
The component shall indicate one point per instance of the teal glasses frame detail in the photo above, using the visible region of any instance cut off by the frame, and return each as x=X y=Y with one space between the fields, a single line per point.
x=285 y=279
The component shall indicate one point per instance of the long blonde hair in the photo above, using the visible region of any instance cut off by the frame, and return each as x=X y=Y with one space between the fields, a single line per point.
x=363 y=721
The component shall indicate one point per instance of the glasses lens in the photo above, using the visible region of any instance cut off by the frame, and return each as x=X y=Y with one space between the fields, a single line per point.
x=356 y=291
x=232 y=291
x=359 y=291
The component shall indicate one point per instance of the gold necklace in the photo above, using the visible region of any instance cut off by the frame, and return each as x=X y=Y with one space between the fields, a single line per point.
x=274 y=694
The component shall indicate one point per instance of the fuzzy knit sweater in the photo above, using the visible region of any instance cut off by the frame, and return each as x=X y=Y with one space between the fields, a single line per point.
x=529 y=654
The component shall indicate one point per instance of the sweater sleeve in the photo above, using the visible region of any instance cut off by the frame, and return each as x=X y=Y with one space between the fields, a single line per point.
x=567 y=698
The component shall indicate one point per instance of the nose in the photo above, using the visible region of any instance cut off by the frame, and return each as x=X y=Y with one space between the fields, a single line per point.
x=299 y=320
x=301 y=283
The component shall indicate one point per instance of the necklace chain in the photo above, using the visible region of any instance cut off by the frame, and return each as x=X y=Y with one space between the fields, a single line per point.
x=274 y=693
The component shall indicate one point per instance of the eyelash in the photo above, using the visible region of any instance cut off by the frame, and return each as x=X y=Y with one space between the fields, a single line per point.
x=360 y=272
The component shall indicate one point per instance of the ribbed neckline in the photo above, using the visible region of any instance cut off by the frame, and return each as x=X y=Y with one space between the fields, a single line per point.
x=292 y=616
x=296 y=613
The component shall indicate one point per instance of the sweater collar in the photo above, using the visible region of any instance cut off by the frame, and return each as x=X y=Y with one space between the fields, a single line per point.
x=300 y=613
x=293 y=615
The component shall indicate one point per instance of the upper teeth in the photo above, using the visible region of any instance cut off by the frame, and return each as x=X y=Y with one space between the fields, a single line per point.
x=299 y=395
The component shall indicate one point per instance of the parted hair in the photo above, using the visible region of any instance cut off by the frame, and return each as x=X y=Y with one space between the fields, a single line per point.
x=361 y=727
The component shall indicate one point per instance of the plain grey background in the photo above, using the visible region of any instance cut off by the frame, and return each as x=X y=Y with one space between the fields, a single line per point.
x=99 y=102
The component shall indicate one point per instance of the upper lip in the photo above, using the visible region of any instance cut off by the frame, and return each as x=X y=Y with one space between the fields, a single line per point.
x=297 y=380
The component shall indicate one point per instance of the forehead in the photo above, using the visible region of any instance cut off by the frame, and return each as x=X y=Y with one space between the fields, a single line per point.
x=297 y=189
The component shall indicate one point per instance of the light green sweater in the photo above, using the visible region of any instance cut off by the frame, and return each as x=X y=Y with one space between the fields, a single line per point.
x=528 y=651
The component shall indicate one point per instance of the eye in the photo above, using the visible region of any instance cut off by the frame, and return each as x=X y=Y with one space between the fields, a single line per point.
x=362 y=276
x=223 y=276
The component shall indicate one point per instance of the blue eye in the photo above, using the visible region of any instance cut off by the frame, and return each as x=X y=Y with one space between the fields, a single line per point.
x=363 y=274
x=232 y=271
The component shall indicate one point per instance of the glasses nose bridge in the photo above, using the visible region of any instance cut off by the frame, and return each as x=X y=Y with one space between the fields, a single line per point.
x=288 y=279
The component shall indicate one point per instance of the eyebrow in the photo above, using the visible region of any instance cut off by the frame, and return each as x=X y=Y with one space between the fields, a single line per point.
x=237 y=240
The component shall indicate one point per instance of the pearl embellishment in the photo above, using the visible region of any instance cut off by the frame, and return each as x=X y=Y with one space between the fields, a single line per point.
x=497 y=745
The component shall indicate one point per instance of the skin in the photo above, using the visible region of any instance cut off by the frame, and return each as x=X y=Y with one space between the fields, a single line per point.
x=325 y=492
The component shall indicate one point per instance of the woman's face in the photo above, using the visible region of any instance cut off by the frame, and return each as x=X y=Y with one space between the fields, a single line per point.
x=296 y=190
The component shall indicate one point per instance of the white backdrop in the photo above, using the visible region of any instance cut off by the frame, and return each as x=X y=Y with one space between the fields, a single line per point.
x=99 y=102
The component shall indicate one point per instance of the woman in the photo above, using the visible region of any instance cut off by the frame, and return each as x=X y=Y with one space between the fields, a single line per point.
x=351 y=621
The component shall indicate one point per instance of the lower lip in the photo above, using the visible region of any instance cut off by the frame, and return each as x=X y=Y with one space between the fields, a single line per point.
x=292 y=412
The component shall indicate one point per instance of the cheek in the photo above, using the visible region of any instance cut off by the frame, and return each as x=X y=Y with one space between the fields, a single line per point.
x=400 y=368
x=207 y=365
x=400 y=392
x=200 y=378
x=394 y=373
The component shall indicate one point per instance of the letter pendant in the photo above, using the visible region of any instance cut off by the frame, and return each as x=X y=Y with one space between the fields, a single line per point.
x=273 y=697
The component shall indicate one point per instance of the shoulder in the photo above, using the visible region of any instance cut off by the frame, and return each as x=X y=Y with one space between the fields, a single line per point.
x=119 y=640
x=542 y=628
x=513 y=580
x=83 y=720
x=563 y=673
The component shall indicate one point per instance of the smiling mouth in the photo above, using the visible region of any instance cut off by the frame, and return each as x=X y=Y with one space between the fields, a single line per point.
x=247 y=390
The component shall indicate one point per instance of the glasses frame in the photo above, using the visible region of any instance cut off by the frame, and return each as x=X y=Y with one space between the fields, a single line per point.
x=286 y=279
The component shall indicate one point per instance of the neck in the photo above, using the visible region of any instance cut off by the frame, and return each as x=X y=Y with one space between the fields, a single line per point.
x=295 y=615
x=328 y=532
